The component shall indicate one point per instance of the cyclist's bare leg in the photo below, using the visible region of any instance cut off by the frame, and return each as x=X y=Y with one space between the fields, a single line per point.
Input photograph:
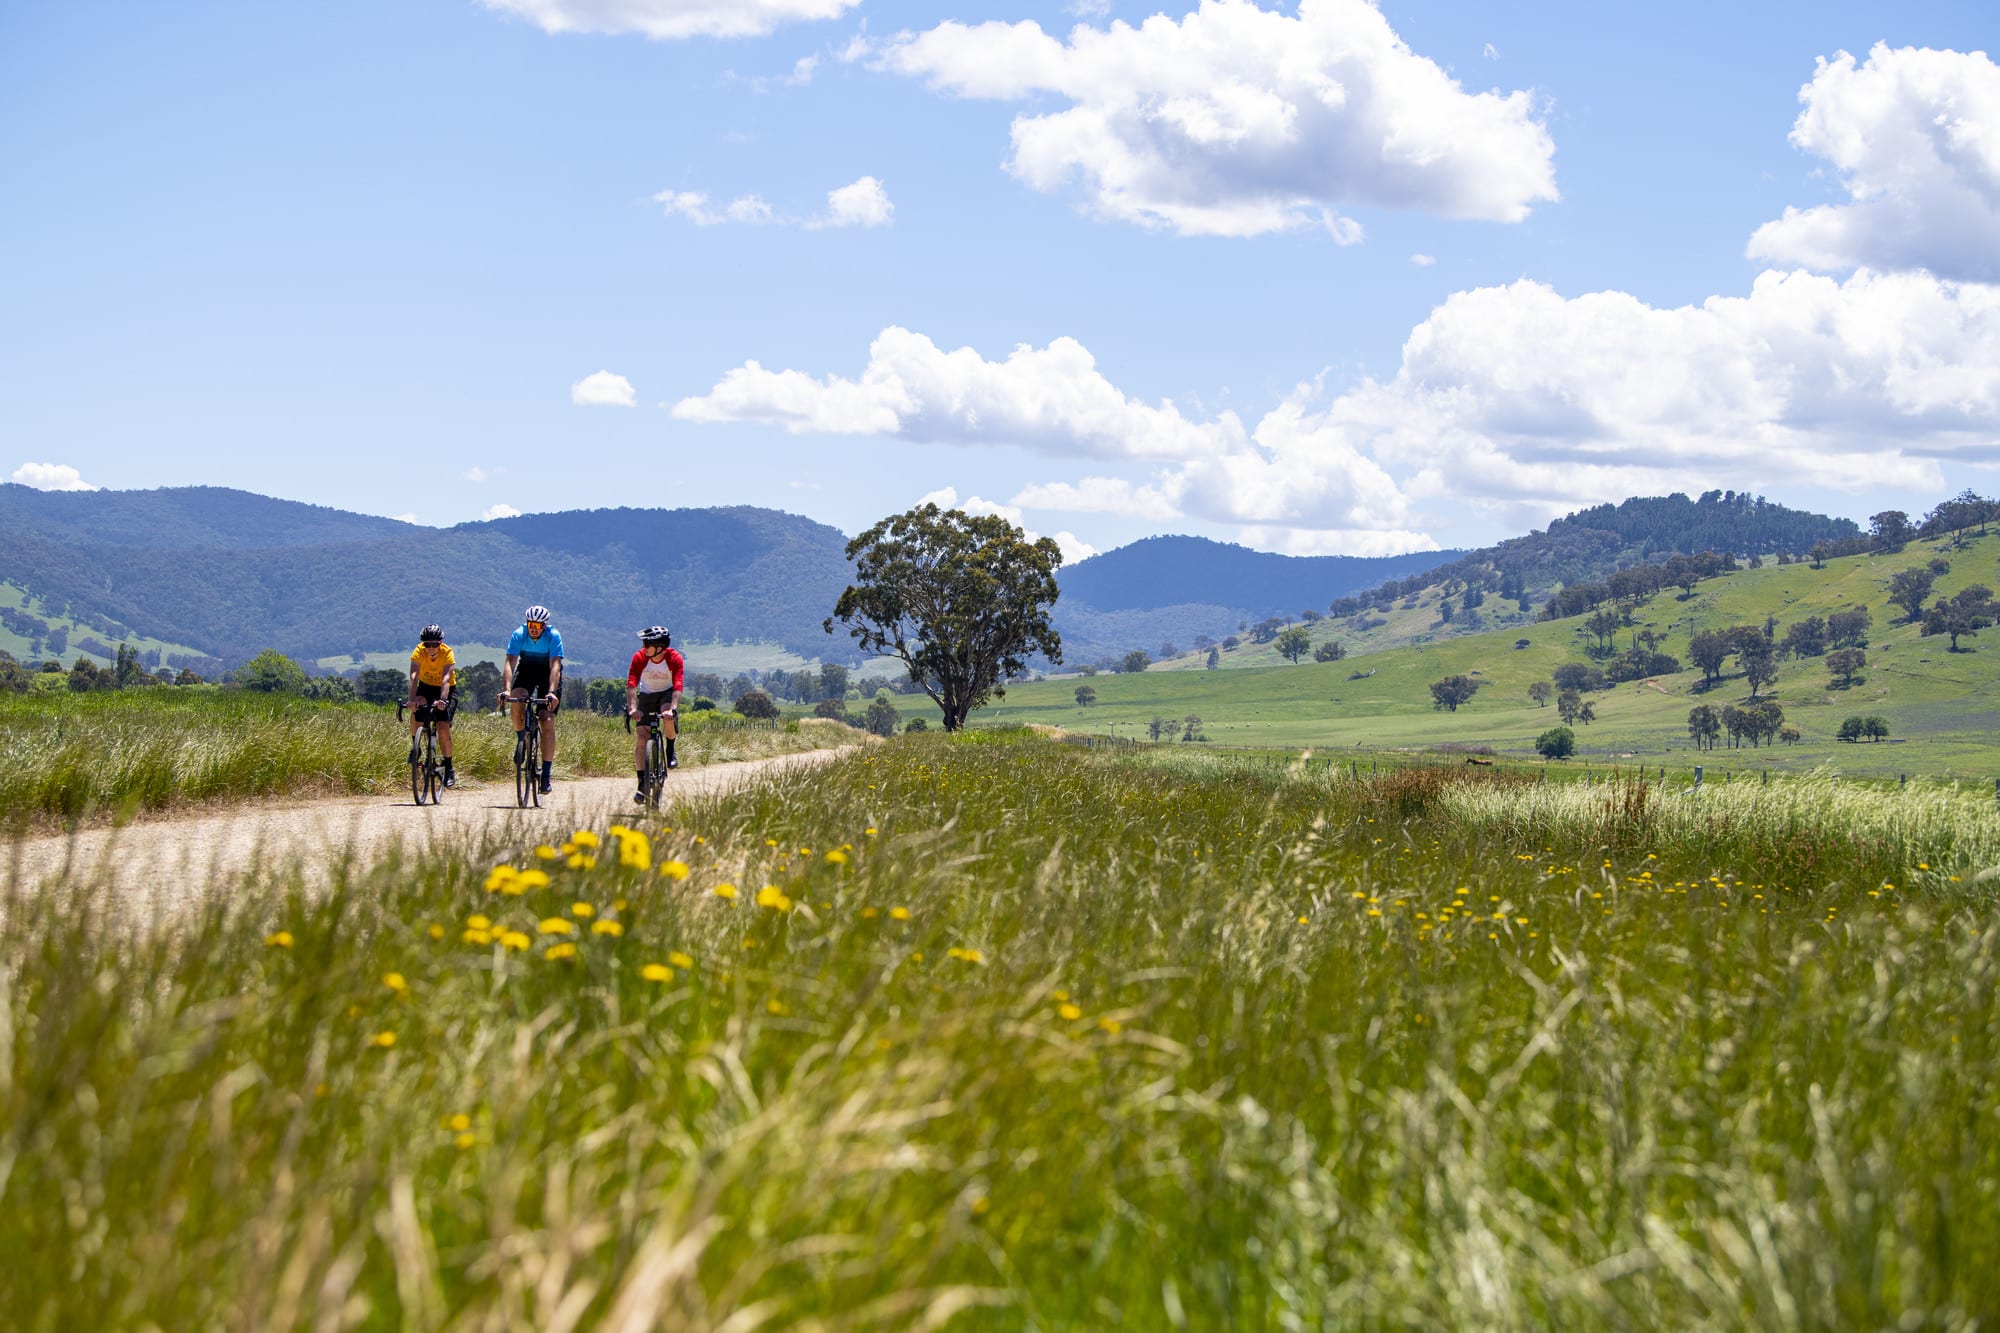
x=444 y=738
x=644 y=733
x=548 y=739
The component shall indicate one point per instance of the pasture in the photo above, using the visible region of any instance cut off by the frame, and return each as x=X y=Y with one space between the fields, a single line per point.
x=990 y=1031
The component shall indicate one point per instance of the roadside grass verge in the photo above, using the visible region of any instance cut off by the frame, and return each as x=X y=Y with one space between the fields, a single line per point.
x=71 y=759
x=998 y=1032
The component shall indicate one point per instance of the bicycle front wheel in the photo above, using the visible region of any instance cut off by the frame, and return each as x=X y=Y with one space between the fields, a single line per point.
x=656 y=765
x=416 y=774
x=524 y=777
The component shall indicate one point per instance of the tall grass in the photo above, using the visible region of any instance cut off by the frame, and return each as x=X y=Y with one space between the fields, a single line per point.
x=67 y=758
x=1022 y=1037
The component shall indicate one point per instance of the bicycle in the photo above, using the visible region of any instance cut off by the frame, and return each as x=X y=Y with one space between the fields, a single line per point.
x=426 y=777
x=528 y=754
x=656 y=753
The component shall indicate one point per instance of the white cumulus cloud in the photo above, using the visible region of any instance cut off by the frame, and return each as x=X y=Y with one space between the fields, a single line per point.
x=1422 y=260
x=1073 y=548
x=500 y=511
x=1052 y=399
x=602 y=389
x=1238 y=120
x=693 y=205
x=667 y=19
x=1915 y=135
x=862 y=204
x=51 y=477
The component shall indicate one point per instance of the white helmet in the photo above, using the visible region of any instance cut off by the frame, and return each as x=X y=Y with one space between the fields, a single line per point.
x=538 y=614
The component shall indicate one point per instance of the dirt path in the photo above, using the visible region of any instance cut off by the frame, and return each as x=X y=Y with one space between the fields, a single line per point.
x=174 y=857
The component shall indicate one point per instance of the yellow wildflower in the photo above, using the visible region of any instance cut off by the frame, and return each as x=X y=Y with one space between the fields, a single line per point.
x=899 y=914
x=476 y=937
x=560 y=952
x=1060 y=994
x=966 y=955
x=460 y=1122
x=556 y=925
x=1111 y=1025
x=675 y=870
x=837 y=857
x=545 y=853
x=383 y=1039
x=611 y=928
x=727 y=891
x=774 y=1005
x=583 y=837
x=680 y=960
x=531 y=879
x=435 y=931
x=513 y=939
x=773 y=896
x=466 y=1140
x=579 y=861
x=395 y=982
x=869 y=831
x=869 y=913
x=279 y=939
x=499 y=877
x=657 y=972
x=1070 y=1012
x=582 y=910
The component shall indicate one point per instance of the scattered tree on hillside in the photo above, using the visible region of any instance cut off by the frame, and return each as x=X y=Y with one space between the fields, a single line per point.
x=1704 y=726
x=1452 y=691
x=1086 y=695
x=1849 y=628
x=1169 y=650
x=1844 y=664
x=1295 y=643
x=1604 y=625
x=1214 y=658
x=1158 y=727
x=271 y=672
x=1569 y=706
x=881 y=717
x=1758 y=657
x=1804 y=638
x=961 y=600
x=1873 y=727
x=1581 y=677
x=1789 y=735
x=1330 y=651
x=1191 y=728
x=1959 y=513
x=755 y=704
x=1890 y=530
x=1819 y=553
x=1134 y=662
x=1963 y=614
x=331 y=689
x=832 y=680
x=1908 y=588
x=1540 y=692
x=1709 y=650
x=1556 y=743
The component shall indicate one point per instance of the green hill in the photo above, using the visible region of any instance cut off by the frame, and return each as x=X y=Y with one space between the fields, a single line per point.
x=1943 y=708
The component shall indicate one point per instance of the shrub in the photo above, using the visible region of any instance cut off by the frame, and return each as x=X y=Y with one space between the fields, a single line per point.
x=756 y=703
x=1556 y=743
x=916 y=724
x=271 y=672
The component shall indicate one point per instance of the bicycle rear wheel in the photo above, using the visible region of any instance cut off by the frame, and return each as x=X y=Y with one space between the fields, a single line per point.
x=416 y=773
x=656 y=768
x=433 y=774
x=533 y=770
x=524 y=772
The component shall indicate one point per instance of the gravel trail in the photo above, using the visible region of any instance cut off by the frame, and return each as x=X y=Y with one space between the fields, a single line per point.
x=175 y=857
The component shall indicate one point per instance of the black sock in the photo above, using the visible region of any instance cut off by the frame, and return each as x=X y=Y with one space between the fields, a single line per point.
x=642 y=777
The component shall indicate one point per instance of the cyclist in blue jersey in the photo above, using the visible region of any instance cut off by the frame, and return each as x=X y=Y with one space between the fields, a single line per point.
x=534 y=666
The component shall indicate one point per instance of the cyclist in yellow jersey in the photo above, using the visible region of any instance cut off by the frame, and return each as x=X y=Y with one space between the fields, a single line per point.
x=432 y=673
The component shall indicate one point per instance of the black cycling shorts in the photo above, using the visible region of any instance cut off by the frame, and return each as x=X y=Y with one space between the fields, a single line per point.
x=427 y=709
x=652 y=704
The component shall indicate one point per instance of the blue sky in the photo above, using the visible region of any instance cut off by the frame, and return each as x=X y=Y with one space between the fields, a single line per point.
x=1317 y=277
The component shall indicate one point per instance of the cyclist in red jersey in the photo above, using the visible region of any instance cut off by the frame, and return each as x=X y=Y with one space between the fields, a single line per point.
x=653 y=688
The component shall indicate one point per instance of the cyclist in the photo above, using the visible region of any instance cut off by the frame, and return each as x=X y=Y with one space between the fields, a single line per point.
x=433 y=672
x=653 y=688
x=534 y=663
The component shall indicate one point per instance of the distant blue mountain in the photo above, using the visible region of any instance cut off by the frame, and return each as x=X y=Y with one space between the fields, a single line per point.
x=1160 y=572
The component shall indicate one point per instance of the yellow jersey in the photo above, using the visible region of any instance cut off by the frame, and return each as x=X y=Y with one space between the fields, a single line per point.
x=432 y=668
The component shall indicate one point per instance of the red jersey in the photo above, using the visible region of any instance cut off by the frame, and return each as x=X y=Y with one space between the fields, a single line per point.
x=655 y=677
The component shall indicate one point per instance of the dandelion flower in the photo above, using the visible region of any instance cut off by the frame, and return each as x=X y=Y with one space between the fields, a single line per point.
x=435 y=931
x=279 y=939
x=476 y=937
x=556 y=925
x=466 y=1139
x=499 y=877
x=396 y=982
x=611 y=928
x=1111 y=1025
x=1070 y=1012
x=675 y=870
x=725 y=891
x=656 y=972
x=460 y=1122
x=837 y=857
x=899 y=914
x=558 y=953
x=869 y=831
x=773 y=897
x=869 y=913
x=383 y=1039
x=580 y=861
x=515 y=940
x=582 y=910
x=681 y=960
x=545 y=853
x=967 y=955
x=774 y=1006
x=531 y=879
x=583 y=837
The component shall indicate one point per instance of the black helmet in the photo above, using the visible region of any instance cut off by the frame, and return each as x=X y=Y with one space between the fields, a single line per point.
x=653 y=634
x=432 y=634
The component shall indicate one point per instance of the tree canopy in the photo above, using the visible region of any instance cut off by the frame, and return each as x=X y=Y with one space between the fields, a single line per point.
x=961 y=600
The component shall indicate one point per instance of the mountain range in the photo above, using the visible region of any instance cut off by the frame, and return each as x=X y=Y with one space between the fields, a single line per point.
x=221 y=574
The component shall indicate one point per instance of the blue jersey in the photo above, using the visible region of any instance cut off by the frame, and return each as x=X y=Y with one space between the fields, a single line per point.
x=548 y=646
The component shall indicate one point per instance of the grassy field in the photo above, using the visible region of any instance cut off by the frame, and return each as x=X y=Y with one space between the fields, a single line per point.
x=70 y=758
x=991 y=1032
x=1944 y=708
x=14 y=596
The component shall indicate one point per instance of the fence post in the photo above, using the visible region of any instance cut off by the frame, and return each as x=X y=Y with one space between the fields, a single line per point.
x=1697 y=777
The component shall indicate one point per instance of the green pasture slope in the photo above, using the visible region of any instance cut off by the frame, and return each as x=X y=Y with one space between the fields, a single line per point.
x=17 y=598
x=1943 y=707
x=990 y=1032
